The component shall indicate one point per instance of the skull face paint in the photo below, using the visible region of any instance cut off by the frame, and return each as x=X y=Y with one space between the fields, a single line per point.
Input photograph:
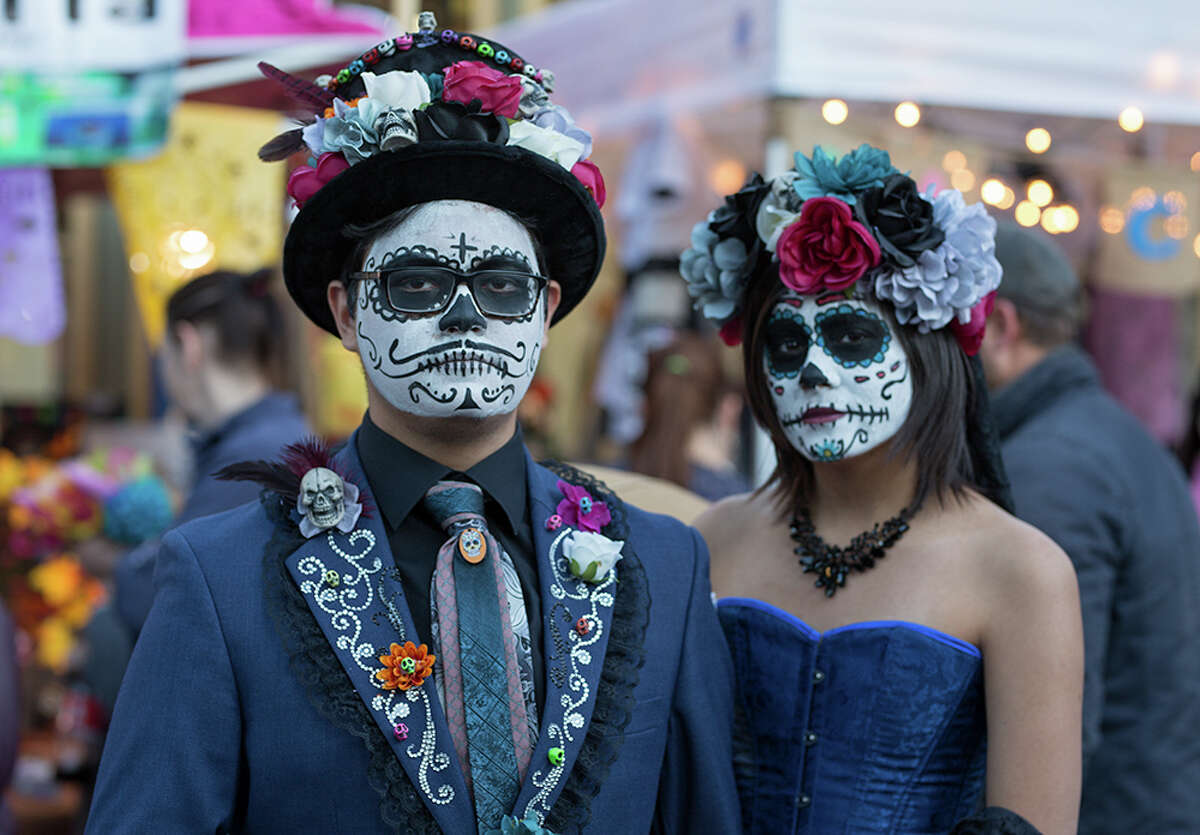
x=839 y=378
x=459 y=361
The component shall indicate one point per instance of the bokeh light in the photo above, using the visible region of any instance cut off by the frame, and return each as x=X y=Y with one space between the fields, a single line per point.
x=1131 y=120
x=907 y=114
x=1039 y=192
x=139 y=262
x=1112 y=220
x=1175 y=201
x=1142 y=197
x=992 y=191
x=963 y=179
x=1195 y=164
x=1008 y=199
x=954 y=160
x=1038 y=140
x=834 y=111
x=1027 y=214
x=1176 y=227
x=727 y=176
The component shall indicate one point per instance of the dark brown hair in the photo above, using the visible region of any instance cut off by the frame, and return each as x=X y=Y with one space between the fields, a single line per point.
x=239 y=306
x=934 y=433
x=684 y=384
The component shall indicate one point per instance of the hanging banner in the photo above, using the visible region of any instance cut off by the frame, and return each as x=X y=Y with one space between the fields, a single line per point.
x=206 y=202
x=31 y=295
x=85 y=82
x=227 y=27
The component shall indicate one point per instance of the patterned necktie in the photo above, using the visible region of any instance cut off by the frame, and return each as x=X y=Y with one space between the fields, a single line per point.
x=481 y=679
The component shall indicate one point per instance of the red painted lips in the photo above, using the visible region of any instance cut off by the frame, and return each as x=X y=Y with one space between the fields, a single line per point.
x=821 y=415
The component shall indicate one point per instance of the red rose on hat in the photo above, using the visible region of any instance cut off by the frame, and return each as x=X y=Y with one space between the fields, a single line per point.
x=468 y=80
x=304 y=182
x=588 y=174
x=826 y=249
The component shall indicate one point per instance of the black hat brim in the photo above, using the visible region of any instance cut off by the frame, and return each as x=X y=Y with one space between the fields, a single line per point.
x=537 y=190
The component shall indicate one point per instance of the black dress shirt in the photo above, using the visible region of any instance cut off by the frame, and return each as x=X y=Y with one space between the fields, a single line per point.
x=400 y=476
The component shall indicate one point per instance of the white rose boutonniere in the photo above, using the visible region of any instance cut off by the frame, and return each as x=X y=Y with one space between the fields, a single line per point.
x=591 y=556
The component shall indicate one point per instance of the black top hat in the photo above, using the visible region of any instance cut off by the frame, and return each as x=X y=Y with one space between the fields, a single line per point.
x=486 y=131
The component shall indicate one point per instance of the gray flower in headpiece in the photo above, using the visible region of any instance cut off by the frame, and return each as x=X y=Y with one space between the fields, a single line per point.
x=558 y=118
x=949 y=280
x=715 y=271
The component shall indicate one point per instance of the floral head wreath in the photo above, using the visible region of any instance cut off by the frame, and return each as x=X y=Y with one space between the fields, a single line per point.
x=492 y=95
x=855 y=225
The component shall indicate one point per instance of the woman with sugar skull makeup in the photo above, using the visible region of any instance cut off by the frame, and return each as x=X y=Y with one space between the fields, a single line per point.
x=555 y=665
x=885 y=614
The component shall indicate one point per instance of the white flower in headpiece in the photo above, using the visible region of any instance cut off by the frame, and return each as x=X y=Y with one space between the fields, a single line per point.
x=548 y=143
x=398 y=89
x=775 y=213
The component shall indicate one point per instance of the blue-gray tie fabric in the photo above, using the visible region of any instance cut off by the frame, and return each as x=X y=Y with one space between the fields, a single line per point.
x=480 y=676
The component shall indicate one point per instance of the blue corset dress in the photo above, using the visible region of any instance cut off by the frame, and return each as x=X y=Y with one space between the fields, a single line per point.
x=871 y=727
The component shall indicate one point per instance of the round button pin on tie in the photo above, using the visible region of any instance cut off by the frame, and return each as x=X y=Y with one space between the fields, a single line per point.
x=472 y=545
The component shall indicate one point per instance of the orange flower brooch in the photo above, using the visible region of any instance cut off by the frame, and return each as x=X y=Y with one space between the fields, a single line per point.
x=405 y=667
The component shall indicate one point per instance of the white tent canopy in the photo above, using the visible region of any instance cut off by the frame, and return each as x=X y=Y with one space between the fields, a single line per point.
x=622 y=62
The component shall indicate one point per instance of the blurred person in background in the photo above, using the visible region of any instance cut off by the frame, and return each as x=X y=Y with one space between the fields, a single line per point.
x=1085 y=472
x=1189 y=450
x=691 y=420
x=906 y=652
x=219 y=359
x=10 y=711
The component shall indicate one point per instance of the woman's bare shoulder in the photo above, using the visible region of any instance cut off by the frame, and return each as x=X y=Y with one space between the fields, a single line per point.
x=1015 y=561
x=729 y=518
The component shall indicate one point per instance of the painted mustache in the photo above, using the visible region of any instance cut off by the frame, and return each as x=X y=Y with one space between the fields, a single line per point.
x=456 y=344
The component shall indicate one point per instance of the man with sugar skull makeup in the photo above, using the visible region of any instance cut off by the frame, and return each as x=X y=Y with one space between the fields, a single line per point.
x=426 y=631
x=870 y=672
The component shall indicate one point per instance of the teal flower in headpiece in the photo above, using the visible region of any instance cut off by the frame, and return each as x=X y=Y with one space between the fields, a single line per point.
x=826 y=176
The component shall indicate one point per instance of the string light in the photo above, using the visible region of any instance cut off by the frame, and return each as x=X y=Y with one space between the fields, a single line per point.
x=907 y=114
x=992 y=191
x=727 y=176
x=1195 y=164
x=1176 y=227
x=1112 y=220
x=1027 y=214
x=1131 y=120
x=139 y=262
x=1039 y=192
x=1196 y=246
x=963 y=179
x=954 y=160
x=1142 y=197
x=1038 y=140
x=834 y=111
x=1008 y=199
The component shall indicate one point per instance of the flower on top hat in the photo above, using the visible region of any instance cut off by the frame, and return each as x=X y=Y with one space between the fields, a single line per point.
x=842 y=225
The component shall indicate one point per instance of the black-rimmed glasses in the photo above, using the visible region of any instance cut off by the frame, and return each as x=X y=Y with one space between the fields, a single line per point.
x=505 y=294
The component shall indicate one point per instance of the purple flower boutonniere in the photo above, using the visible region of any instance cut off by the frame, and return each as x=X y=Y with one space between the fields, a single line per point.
x=579 y=510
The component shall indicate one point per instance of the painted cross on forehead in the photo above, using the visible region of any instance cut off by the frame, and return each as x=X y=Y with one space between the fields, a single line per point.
x=838 y=376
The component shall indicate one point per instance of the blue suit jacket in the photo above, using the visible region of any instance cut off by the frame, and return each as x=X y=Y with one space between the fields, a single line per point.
x=251 y=703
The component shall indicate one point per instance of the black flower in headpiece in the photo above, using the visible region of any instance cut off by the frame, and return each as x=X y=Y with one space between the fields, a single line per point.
x=735 y=218
x=901 y=219
x=454 y=120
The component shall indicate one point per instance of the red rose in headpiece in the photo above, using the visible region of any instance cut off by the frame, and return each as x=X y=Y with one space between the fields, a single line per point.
x=970 y=335
x=304 y=182
x=587 y=173
x=826 y=249
x=468 y=80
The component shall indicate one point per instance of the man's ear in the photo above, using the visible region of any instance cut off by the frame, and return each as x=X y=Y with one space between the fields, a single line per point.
x=191 y=344
x=553 y=297
x=343 y=314
x=1004 y=323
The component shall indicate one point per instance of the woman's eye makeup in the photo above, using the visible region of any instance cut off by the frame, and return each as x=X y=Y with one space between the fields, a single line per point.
x=851 y=337
x=787 y=343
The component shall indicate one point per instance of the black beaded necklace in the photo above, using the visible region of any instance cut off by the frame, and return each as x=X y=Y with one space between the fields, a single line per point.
x=832 y=563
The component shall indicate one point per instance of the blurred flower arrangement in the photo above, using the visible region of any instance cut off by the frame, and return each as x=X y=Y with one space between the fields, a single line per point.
x=48 y=509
